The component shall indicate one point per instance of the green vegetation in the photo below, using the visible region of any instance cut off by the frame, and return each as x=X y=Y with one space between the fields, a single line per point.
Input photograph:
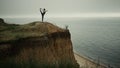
x=9 y=32
x=32 y=64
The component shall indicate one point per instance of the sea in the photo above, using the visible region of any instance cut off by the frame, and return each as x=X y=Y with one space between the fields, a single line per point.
x=96 y=38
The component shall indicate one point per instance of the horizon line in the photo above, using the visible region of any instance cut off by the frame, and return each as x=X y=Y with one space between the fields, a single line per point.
x=82 y=15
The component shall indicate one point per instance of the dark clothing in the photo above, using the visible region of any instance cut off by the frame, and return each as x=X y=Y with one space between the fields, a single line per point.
x=43 y=11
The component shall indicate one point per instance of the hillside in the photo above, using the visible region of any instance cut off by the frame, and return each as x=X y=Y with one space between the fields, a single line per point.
x=36 y=45
x=10 y=32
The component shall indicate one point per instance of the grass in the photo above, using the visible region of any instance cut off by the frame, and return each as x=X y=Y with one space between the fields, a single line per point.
x=32 y=64
x=10 y=32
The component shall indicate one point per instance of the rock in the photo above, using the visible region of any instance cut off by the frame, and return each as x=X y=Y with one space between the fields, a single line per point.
x=51 y=50
x=2 y=21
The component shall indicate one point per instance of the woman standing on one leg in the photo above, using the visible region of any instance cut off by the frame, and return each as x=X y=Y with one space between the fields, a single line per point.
x=43 y=11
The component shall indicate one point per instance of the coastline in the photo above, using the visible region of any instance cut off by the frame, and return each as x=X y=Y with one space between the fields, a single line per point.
x=87 y=63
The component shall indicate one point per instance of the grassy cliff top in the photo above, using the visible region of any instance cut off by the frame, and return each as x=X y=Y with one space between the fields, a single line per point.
x=10 y=32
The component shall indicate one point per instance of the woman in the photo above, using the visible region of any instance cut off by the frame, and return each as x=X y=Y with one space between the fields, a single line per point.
x=43 y=11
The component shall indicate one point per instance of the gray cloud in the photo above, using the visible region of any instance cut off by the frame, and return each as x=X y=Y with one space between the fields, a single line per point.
x=31 y=7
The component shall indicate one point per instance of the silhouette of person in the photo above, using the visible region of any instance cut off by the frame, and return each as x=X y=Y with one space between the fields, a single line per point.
x=43 y=11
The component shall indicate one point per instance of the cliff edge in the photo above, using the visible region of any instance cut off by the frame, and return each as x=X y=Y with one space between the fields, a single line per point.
x=36 y=45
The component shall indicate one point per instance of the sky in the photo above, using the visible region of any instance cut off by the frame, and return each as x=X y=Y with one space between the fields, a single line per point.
x=60 y=8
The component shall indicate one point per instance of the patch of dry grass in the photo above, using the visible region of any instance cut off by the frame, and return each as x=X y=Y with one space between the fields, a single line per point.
x=10 y=32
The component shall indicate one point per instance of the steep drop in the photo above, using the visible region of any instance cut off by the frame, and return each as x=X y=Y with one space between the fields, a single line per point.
x=43 y=45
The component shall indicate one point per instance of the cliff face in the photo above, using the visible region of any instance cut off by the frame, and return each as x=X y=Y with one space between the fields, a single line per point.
x=53 y=49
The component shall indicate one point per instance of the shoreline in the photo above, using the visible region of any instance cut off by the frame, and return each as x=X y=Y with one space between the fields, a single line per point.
x=87 y=63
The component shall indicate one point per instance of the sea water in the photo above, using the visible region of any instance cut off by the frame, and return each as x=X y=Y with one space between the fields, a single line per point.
x=94 y=38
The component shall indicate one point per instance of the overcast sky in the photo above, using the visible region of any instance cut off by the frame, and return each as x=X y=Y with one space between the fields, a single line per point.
x=58 y=7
